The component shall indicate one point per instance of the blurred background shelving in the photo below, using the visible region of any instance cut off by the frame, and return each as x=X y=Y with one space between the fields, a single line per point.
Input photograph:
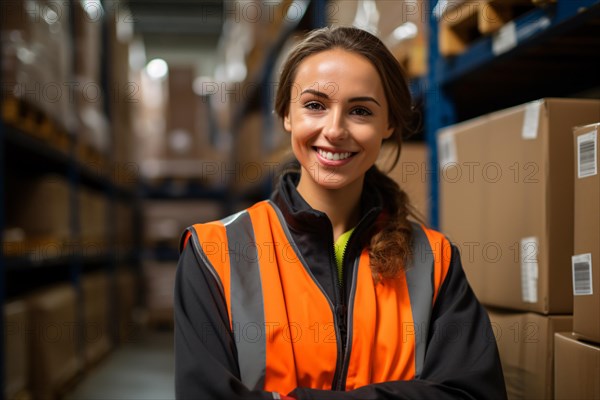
x=125 y=121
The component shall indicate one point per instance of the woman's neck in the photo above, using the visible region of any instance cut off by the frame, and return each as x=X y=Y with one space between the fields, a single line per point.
x=342 y=206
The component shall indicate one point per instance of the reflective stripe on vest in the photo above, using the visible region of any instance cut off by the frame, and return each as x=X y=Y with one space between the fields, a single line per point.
x=419 y=278
x=283 y=322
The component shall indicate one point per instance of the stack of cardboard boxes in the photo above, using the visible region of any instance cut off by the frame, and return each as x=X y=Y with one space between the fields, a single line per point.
x=93 y=135
x=36 y=58
x=53 y=341
x=401 y=25
x=577 y=353
x=164 y=223
x=506 y=186
x=49 y=343
x=97 y=331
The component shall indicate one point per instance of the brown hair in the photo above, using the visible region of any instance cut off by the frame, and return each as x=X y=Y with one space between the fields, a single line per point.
x=390 y=245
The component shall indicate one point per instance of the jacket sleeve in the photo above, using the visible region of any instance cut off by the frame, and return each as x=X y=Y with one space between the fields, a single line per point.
x=461 y=360
x=205 y=353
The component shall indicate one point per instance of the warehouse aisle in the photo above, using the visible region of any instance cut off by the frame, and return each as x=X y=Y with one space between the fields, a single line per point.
x=142 y=368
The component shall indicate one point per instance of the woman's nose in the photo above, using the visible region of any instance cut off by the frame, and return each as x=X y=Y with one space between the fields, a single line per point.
x=336 y=128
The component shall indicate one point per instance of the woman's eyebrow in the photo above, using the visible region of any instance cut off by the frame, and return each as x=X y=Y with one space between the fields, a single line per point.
x=352 y=100
x=364 y=98
x=315 y=93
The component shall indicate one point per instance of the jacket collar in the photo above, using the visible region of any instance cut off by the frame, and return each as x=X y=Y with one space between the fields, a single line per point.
x=301 y=217
x=312 y=232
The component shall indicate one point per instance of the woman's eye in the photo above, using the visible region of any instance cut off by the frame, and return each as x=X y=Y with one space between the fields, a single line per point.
x=313 y=105
x=361 y=111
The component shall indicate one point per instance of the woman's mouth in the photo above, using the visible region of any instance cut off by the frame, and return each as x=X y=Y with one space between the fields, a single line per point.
x=337 y=157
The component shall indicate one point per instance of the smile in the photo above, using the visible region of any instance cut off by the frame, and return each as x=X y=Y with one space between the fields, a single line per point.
x=334 y=156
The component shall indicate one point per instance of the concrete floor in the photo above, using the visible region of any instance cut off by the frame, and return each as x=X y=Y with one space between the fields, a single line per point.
x=141 y=369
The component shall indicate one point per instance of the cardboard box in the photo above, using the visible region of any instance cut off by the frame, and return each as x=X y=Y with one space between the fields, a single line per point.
x=505 y=183
x=40 y=207
x=94 y=221
x=576 y=368
x=42 y=29
x=165 y=221
x=96 y=328
x=586 y=261
x=16 y=349
x=410 y=173
x=526 y=346
x=408 y=44
x=54 y=359
x=159 y=280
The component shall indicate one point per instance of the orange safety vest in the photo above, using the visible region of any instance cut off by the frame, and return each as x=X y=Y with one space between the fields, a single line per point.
x=285 y=326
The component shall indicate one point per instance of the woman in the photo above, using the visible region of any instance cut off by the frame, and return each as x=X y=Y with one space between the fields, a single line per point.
x=327 y=290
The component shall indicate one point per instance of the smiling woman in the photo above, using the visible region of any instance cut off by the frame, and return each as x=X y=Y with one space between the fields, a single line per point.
x=328 y=290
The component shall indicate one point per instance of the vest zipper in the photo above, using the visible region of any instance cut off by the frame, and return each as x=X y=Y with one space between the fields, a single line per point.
x=341 y=385
x=338 y=317
x=341 y=321
x=341 y=315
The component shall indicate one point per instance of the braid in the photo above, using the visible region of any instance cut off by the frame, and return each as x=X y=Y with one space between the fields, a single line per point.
x=390 y=246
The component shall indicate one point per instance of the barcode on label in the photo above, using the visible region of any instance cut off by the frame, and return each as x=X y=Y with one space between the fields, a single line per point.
x=582 y=274
x=529 y=269
x=587 y=155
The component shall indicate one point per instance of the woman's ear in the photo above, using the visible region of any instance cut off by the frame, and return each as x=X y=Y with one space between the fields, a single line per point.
x=287 y=124
x=389 y=132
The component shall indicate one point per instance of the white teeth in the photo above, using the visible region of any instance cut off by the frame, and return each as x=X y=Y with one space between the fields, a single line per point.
x=333 y=156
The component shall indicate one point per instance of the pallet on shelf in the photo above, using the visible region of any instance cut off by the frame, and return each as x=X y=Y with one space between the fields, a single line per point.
x=92 y=158
x=38 y=249
x=462 y=25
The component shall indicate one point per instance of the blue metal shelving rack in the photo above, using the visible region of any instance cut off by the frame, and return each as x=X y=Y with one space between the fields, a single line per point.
x=555 y=52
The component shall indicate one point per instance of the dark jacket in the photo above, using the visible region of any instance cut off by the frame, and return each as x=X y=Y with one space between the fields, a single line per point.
x=461 y=358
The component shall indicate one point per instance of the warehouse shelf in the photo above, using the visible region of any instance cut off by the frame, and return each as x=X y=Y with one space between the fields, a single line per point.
x=34 y=155
x=27 y=280
x=29 y=150
x=32 y=262
x=163 y=254
x=178 y=190
x=552 y=51
x=529 y=30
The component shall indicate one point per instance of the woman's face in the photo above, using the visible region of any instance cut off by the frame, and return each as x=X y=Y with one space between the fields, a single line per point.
x=338 y=117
